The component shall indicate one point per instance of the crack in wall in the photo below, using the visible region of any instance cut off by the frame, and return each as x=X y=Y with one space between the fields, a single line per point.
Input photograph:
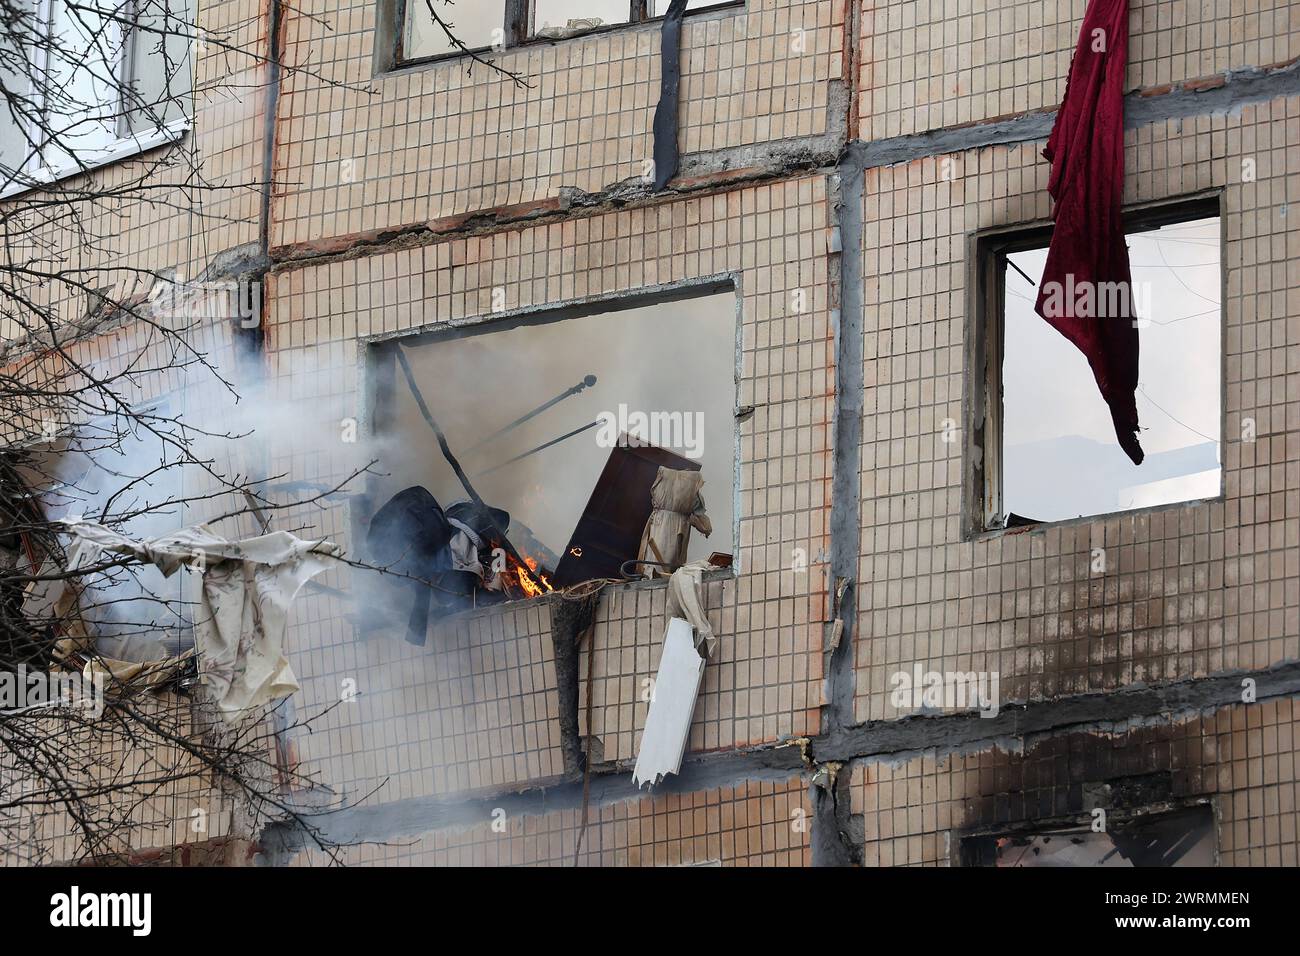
x=1019 y=721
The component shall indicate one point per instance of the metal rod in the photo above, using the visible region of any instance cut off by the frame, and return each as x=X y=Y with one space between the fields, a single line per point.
x=1022 y=272
x=534 y=451
x=586 y=383
x=455 y=465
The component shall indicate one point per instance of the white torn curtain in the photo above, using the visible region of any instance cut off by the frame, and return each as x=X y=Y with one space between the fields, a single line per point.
x=677 y=507
x=247 y=587
x=684 y=601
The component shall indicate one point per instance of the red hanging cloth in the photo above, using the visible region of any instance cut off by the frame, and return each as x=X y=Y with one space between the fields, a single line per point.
x=1086 y=292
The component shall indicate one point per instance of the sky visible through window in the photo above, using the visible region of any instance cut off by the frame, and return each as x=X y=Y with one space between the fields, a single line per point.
x=1061 y=459
x=472 y=23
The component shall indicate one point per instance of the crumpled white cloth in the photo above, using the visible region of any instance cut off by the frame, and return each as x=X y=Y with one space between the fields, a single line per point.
x=247 y=587
x=684 y=602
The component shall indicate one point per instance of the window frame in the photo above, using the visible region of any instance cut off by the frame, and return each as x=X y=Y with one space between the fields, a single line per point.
x=982 y=452
x=519 y=27
x=512 y=24
x=38 y=172
x=380 y=380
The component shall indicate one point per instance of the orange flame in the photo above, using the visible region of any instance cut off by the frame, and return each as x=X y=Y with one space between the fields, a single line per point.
x=528 y=579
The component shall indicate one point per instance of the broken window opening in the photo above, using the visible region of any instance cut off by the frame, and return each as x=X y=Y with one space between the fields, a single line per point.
x=1179 y=838
x=1042 y=442
x=592 y=440
x=556 y=19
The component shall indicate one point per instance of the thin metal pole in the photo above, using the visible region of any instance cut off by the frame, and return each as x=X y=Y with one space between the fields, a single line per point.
x=542 y=447
x=586 y=383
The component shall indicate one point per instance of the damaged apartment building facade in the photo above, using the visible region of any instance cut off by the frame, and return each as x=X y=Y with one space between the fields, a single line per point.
x=755 y=274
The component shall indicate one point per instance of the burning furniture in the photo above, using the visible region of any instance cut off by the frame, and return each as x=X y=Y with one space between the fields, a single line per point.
x=459 y=556
x=641 y=512
x=455 y=556
x=441 y=552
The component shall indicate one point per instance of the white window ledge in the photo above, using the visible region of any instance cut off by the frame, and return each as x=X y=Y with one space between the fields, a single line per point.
x=122 y=149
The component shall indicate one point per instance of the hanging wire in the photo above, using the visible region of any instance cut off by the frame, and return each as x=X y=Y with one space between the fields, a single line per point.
x=1180 y=278
x=1167 y=322
x=1174 y=419
x=1184 y=318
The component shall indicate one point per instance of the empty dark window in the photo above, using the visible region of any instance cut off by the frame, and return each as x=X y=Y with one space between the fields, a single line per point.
x=1180 y=838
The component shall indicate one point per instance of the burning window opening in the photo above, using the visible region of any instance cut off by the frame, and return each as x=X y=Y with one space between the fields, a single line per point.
x=528 y=459
x=1053 y=455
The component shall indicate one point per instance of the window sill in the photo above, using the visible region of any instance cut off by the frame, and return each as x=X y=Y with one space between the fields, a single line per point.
x=121 y=150
x=455 y=56
x=371 y=625
x=986 y=534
